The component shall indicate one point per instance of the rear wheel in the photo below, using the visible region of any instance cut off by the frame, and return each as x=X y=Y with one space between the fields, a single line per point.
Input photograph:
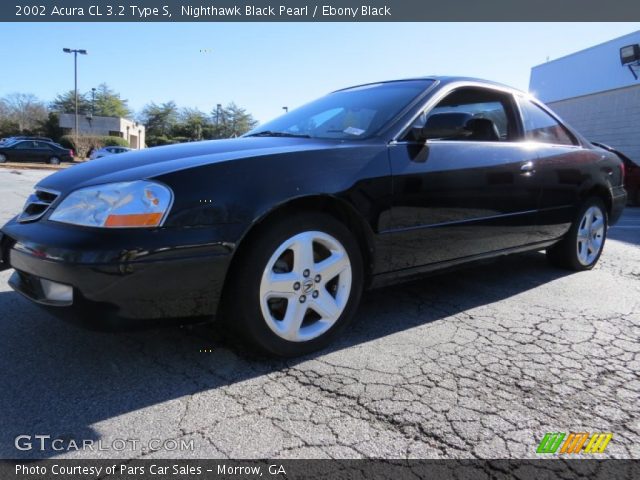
x=54 y=161
x=582 y=246
x=3 y=158
x=297 y=285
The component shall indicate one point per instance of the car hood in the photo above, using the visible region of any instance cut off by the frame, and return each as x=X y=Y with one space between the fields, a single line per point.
x=156 y=161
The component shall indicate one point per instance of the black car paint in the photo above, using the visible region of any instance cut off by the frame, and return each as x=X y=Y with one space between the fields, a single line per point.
x=415 y=206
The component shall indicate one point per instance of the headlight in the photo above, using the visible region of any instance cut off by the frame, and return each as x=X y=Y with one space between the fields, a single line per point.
x=116 y=205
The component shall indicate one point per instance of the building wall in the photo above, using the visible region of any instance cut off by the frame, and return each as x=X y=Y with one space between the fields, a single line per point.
x=588 y=71
x=132 y=131
x=611 y=117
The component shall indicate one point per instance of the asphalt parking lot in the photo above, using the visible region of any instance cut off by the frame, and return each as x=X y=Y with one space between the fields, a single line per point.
x=479 y=363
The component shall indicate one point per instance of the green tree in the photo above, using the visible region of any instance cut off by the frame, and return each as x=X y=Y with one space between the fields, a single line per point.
x=193 y=124
x=50 y=127
x=160 y=122
x=233 y=121
x=65 y=103
x=108 y=103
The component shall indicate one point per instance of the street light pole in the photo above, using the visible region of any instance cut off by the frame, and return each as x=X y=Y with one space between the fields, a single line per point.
x=75 y=82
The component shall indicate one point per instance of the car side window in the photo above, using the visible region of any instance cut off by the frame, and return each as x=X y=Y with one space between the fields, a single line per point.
x=42 y=146
x=541 y=127
x=470 y=114
x=28 y=145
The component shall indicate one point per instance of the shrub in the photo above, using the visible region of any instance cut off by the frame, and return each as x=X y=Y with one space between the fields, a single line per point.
x=156 y=141
x=86 y=142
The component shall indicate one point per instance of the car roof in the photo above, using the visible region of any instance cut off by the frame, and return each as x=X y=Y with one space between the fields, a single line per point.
x=442 y=80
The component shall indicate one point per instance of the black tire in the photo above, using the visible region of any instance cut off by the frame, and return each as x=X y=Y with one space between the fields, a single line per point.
x=564 y=254
x=54 y=161
x=3 y=158
x=242 y=305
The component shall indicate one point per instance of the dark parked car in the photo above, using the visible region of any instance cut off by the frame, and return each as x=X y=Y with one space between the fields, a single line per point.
x=632 y=180
x=278 y=232
x=21 y=150
x=12 y=139
x=631 y=175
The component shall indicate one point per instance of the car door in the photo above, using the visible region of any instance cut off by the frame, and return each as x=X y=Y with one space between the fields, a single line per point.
x=43 y=151
x=466 y=194
x=22 y=151
x=560 y=168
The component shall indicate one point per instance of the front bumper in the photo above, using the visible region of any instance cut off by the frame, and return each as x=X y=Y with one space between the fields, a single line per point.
x=119 y=278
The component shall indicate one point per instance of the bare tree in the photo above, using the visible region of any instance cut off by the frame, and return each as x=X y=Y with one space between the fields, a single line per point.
x=23 y=109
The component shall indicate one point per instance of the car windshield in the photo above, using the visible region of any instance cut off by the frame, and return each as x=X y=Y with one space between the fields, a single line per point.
x=354 y=113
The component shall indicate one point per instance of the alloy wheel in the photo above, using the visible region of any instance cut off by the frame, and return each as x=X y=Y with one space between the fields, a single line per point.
x=591 y=231
x=305 y=286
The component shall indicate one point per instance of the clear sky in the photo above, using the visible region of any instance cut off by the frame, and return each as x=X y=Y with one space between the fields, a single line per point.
x=263 y=67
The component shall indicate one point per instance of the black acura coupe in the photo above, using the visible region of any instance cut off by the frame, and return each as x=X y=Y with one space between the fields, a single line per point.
x=278 y=232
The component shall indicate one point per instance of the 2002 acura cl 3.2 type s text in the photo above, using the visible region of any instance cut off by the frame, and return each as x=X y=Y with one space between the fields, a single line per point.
x=279 y=231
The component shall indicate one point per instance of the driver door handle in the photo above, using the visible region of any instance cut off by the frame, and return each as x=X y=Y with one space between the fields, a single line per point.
x=527 y=167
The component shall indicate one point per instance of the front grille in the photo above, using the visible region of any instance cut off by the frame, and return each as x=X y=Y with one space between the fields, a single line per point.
x=37 y=205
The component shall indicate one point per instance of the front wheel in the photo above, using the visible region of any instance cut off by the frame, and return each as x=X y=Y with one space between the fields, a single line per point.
x=582 y=246
x=297 y=285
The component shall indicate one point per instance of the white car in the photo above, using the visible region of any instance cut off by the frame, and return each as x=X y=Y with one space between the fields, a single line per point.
x=103 y=152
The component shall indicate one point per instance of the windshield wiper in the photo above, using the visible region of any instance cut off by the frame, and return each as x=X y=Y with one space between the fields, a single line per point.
x=271 y=133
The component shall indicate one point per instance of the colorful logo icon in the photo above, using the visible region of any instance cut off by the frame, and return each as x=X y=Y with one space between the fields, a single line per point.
x=574 y=442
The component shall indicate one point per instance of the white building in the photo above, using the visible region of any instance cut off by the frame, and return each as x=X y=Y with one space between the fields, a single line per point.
x=113 y=126
x=595 y=93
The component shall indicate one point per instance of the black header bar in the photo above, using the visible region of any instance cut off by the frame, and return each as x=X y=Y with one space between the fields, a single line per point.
x=317 y=10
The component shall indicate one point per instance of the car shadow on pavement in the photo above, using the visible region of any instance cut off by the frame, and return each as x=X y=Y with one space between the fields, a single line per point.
x=628 y=228
x=61 y=380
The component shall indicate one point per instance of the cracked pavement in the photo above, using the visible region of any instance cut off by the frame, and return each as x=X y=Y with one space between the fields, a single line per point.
x=477 y=363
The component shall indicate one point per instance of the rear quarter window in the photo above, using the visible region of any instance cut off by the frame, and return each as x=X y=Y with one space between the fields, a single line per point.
x=541 y=127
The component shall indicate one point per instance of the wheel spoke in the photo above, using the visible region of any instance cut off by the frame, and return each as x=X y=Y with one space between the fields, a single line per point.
x=589 y=219
x=597 y=225
x=332 y=266
x=280 y=284
x=303 y=254
x=292 y=320
x=326 y=306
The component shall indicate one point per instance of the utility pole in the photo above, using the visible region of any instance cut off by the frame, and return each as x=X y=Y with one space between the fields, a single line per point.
x=75 y=81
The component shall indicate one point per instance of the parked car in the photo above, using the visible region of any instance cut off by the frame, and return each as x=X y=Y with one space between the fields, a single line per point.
x=11 y=139
x=278 y=232
x=105 y=151
x=20 y=150
x=631 y=175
